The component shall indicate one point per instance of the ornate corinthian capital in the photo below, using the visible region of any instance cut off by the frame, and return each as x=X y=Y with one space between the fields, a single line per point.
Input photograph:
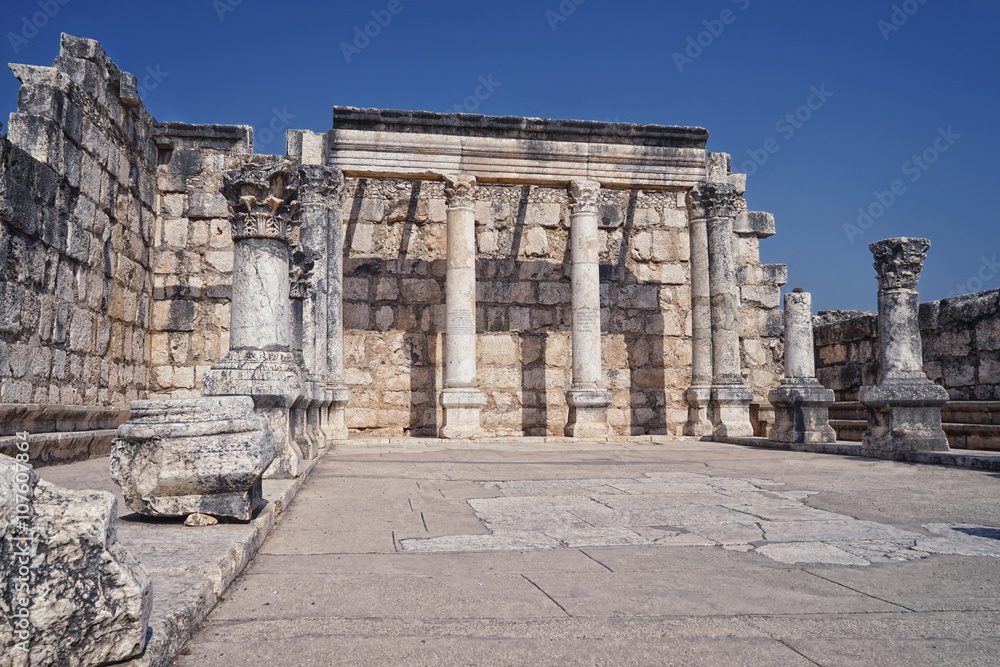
x=263 y=200
x=713 y=200
x=460 y=190
x=899 y=261
x=584 y=196
x=320 y=184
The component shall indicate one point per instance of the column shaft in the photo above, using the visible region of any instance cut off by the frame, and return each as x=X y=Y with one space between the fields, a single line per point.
x=699 y=393
x=259 y=310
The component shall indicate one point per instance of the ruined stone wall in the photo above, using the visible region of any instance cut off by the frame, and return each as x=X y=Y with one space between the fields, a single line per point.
x=961 y=345
x=77 y=190
x=395 y=248
x=192 y=254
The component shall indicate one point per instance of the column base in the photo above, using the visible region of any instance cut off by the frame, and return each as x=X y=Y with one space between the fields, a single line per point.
x=801 y=412
x=698 y=423
x=461 y=413
x=904 y=417
x=274 y=381
x=195 y=455
x=729 y=410
x=334 y=419
x=588 y=413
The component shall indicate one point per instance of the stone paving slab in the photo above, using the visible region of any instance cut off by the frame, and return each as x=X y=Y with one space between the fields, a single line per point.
x=434 y=554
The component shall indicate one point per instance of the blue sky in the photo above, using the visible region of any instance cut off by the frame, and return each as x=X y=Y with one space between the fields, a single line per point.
x=921 y=84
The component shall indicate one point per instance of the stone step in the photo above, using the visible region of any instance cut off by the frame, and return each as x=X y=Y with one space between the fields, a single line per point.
x=960 y=436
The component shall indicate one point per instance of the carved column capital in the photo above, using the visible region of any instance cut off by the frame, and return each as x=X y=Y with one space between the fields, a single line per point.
x=713 y=200
x=899 y=262
x=460 y=190
x=263 y=200
x=584 y=196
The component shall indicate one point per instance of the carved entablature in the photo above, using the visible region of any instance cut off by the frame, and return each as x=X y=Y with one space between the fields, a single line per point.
x=460 y=190
x=263 y=200
x=899 y=262
x=714 y=200
x=584 y=196
x=319 y=184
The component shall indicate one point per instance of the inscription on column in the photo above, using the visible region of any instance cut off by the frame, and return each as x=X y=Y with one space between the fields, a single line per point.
x=461 y=321
x=587 y=321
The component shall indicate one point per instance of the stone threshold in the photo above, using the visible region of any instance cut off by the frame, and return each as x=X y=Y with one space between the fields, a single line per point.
x=965 y=458
x=190 y=568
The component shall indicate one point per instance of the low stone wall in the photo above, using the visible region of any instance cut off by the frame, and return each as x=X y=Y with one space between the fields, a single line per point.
x=961 y=346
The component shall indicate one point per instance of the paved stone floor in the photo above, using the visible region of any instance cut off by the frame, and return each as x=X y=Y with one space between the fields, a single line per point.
x=535 y=553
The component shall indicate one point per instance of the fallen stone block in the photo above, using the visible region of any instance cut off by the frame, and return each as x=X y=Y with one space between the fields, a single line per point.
x=71 y=595
x=193 y=456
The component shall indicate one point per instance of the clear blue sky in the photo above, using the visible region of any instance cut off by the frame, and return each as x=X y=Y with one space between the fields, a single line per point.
x=892 y=91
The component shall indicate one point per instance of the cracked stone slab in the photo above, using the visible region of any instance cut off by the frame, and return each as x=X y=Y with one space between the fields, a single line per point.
x=679 y=509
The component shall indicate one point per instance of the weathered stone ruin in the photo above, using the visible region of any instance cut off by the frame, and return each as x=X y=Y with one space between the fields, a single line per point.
x=87 y=598
x=402 y=274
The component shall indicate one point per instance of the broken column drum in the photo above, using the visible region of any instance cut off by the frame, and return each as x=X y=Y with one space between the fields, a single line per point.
x=904 y=408
x=801 y=403
x=461 y=398
x=587 y=399
x=260 y=362
x=729 y=407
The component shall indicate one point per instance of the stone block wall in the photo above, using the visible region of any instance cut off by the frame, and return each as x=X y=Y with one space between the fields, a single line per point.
x=192 y=254
x=77 y=191
x=961 y=346
x=395 y=248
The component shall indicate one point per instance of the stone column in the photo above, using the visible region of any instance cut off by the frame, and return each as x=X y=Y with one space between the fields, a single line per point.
x=801 y=403
x=260 y=362
x=588 y=401
x=461 y=398
x=322 y=238
x=904 y=408
x=699 y=393
x=301 y=432
x=729 y=407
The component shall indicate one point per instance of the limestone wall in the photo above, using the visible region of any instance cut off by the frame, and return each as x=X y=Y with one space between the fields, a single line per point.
x=77 y=191
x=961 y=345
x=192 y=254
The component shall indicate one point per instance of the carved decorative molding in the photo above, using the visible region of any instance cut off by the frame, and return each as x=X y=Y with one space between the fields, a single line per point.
x=584 y=196
x=460 y=190
x=320 y=184
x=300 y=273
x=714 y=200
x=263 y=200
x=899 y=262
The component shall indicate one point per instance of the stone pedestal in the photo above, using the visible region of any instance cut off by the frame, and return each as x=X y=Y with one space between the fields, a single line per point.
x=801 y=403
x=461 y=399
x=904 y=408
x=729 y=407
x=587 y=399
x=699 y=394
x=260 y=362
x=195 y=455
